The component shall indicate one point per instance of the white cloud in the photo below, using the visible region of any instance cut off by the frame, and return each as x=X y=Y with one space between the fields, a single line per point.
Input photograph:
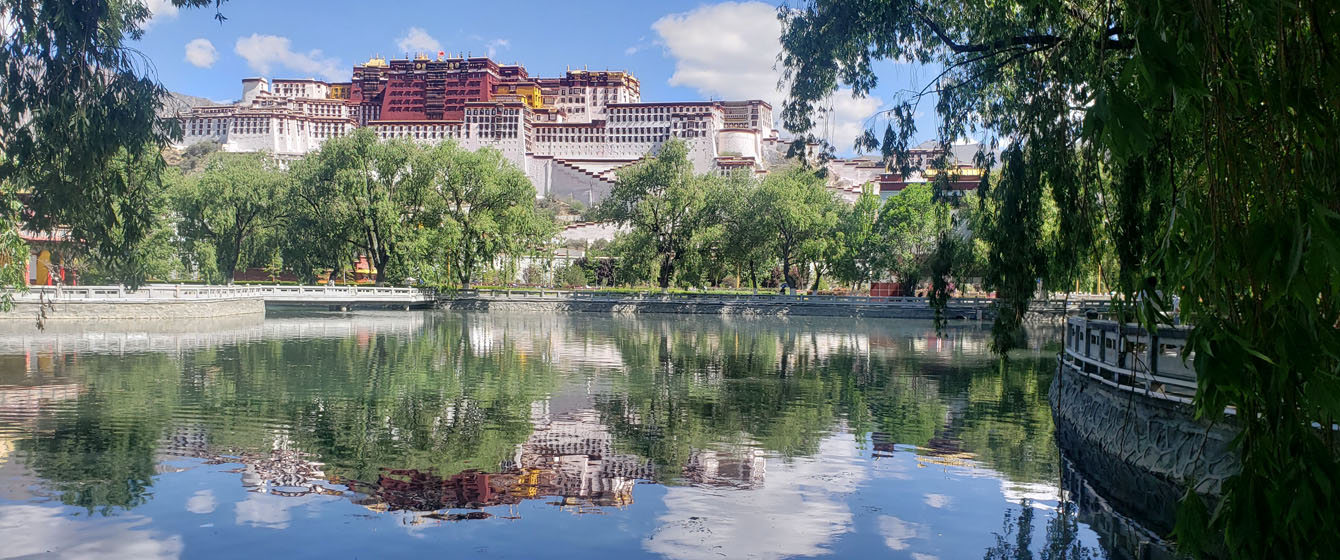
x=201 y=53
x=729 y=51
x=264 y=53
x=159 y=10
x=798 y=511
x=897 y=532
x=938 y=501
x=725 y=50
x=630 y=51
x=202 y=502
x=265 y=510
x=416 y=40
x=32 y=531
x=496 y=44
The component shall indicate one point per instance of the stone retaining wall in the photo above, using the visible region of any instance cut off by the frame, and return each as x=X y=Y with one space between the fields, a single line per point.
x=1140 y=452
x=98 y=311
x=1127 y=537
x=621 y=307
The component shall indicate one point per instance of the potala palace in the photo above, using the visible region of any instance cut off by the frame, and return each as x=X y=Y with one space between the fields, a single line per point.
x=570 y=134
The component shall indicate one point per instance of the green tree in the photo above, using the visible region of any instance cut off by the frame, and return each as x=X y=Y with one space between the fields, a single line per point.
x=1201 y=138
x=664 y=203
x=745 y=244
x=488 y=203
x=798 y=210
x=235 y=200
x=133 y=253
x=857 y=241
x=75 y=97
x=194 y=157
x=909 y=224
x=635 y=256
x=367 y=195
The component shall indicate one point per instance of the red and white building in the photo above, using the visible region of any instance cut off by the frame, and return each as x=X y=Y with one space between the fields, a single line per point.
x=570 y=134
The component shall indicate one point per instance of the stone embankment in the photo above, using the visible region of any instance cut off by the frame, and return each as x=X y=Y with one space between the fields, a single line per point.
x=124 y=310
x=181 y=301
x=779 y=306
x=1130 y=429
x=579 y=301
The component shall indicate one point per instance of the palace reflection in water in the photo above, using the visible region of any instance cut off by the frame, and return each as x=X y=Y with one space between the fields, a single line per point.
x=683 y=437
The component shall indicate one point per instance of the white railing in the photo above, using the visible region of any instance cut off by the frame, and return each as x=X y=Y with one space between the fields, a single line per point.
x=766 y=298
x=270 y=293
x=1130 y=357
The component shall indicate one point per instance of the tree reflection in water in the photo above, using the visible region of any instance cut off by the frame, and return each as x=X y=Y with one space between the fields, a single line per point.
x=1015 y=539
x=694 y=400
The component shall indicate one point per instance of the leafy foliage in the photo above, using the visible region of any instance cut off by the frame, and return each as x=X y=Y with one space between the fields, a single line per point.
x=237 y=198
x=858 y=240
x=1200 y=138
x=664 y=203
x=910 y=223
x=366 y=194
x=76 y=104
x=133 y=252
x=745 y=244
x=800 y=213
x=488 y=205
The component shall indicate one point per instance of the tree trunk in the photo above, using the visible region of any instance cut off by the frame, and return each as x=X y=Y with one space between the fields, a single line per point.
x=666 y=273
x=380 y=260
x=818 y=274
x=786 y=271
x=463 y=273
x=753 y=276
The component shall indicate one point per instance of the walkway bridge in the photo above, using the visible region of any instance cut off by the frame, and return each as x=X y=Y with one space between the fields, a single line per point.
x=330 y=297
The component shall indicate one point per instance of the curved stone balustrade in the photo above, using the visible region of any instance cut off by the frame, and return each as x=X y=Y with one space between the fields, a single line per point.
x=1121 y=401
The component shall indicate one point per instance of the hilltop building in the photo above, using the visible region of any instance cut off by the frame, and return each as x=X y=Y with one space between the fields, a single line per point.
x=849 y=176
x=570 y=134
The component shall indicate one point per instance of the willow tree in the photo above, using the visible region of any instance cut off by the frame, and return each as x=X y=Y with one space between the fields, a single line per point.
x=857 y=240
x=237 y=198
x=487 y=204
x=364 y=194
x=664 y=203
x=799 y=213
x=75 y=98
x=1201 y=136
x=745 y=243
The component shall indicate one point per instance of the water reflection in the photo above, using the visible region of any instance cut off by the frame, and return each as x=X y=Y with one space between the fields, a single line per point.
x=766 y=438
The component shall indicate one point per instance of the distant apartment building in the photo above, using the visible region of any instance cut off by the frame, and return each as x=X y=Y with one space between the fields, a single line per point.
x=570 y=134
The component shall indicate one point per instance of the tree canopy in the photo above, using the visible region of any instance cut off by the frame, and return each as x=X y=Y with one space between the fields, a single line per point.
x=76 y=99
x=488 y=204
x=370 y=193
x=663 y=201
x=236 y=199
x=800 y=212
x=1200 y=138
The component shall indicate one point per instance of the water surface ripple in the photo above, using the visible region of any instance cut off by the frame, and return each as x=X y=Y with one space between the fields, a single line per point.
x=529 y=435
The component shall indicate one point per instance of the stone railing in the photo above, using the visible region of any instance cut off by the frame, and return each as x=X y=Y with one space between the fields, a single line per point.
x=178 y=292
x=1053 y=306
x=1132 y=358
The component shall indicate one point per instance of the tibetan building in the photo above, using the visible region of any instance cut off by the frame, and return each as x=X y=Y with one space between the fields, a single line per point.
x=570 y=134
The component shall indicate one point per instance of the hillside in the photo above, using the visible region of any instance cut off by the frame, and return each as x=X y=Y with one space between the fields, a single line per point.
x=177 y=102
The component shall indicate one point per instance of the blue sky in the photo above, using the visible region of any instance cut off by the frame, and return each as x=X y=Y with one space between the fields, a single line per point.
x=680 y=50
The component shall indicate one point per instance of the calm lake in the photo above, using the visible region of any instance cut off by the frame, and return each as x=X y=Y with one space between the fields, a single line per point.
x=380 y=434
